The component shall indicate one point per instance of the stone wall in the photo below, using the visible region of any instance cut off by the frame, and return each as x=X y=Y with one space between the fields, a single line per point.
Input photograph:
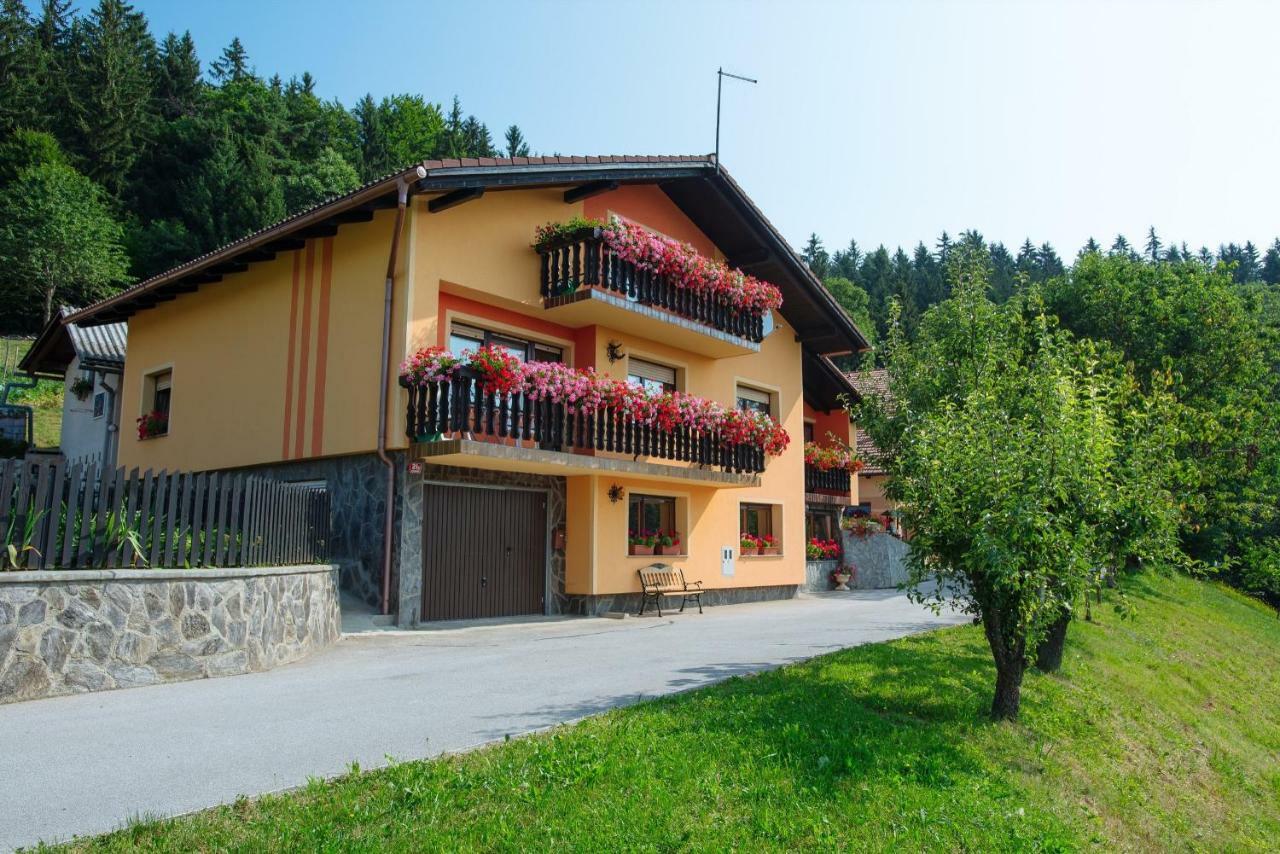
x=629 y=603
x=357 y=487
x=881 y=560
x=817 y=575
x=66 y=632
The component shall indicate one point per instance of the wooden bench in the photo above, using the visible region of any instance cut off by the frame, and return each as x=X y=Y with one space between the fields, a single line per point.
x=662 y=579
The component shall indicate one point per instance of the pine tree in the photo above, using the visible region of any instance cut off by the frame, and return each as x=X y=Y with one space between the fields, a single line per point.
x=1121 y=246
x=111 y=97
x=56 y=38
x=815 y=256
x=233 y=65
x=943 y=248
x=845 y=262
x=1090 y=247
x=1205 y=256
x=476 y=139
x=516 y=145
x=1249 y=262
x=1004 y=273
x=375 y=160
x=1153 y=246
x=455 y=142
x=1270 y=272
x=1025 y=262
x=1050 y=265
x=178 y=84
x=19 y=69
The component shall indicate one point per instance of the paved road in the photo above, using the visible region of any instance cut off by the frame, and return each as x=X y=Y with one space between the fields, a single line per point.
x=84 y=764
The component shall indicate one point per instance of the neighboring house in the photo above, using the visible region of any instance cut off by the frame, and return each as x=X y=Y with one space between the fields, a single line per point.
x=89 y=361
x=872 y=383
x=279 y=353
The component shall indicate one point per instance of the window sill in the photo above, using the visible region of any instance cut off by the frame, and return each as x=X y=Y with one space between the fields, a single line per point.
x=154 y=436
x=761 y=557
x=655 y=555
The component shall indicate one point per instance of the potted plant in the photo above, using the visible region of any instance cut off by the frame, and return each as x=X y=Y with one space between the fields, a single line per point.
x=668 y=543
x=153 y=424
x=748 y=545
x=842 y=577
x=769 y=545
x=640 y=542
x=861 y=526
x=81 y=387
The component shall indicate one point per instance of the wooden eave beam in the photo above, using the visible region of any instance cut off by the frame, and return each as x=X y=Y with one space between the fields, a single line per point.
x=589 y=189
x=354 y=215
x=750 y=258
x=228 y=268
x=284 y=244
x=328 y=228
x=453 y=199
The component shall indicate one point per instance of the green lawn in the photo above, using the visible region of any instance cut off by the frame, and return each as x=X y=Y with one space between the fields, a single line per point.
x=45 y=398
x=1162 y=733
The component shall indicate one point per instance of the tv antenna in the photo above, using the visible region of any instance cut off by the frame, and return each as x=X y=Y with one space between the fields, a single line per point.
x=721 y=74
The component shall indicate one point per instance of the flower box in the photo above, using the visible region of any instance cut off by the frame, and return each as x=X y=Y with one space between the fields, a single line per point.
x=634 y=549
x=669 y=550
x=770 y=551
x=748 y=551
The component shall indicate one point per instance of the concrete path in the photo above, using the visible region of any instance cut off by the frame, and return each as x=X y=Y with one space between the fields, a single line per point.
x=85 y=764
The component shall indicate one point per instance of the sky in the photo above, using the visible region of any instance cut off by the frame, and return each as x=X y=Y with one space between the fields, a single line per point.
x=883 y=122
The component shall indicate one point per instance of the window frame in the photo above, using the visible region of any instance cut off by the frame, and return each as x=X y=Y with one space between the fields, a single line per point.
x=658 y=387
x=491 y=337
x=678 y=504
x=770 y=403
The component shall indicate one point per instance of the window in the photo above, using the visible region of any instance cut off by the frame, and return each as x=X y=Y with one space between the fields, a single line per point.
x=652 y=513
x=99 y=404
x=464 y=338
x=757 y=520
x=162 y=384
x=754 y=400
x=808 y=431
x=823 y=523
x=650 y=376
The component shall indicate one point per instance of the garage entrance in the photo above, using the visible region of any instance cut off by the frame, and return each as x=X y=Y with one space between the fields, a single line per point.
x=484 y=552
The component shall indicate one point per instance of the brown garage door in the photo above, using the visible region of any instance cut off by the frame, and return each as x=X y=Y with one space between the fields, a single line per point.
x=484 y=552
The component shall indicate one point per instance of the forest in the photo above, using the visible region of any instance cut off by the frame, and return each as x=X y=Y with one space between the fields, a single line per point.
x=123 y=154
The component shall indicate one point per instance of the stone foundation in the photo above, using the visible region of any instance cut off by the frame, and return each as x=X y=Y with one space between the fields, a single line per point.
x=595 y=606
x=67 y=632
x=817 y=575
x=881 y=560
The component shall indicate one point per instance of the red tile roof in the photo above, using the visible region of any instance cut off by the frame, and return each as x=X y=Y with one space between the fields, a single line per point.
x=873 y=383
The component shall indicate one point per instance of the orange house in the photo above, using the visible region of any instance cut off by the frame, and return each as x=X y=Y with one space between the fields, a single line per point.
x=281 y=354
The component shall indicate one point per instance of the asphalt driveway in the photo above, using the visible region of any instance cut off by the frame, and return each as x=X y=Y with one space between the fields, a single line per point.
x=85 y=764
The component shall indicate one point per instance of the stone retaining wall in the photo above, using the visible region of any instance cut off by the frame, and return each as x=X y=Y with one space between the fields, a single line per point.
x=881 y=560
x=66 y=632
x=817 y=575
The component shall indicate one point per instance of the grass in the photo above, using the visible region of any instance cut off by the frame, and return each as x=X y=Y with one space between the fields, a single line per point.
x=1162 y=733
x=45 y=398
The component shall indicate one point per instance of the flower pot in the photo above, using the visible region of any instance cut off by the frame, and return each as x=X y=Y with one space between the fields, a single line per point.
x=842 y=580
x=668 y=550
x=744 y=551
x=770 y=550
x=640 y=550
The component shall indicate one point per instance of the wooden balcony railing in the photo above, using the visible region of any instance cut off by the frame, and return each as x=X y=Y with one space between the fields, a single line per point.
x=460 y=406
x=832 y=480
x=588 y=262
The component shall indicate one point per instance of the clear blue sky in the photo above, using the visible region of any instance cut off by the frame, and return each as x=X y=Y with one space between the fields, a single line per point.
x=887 y=122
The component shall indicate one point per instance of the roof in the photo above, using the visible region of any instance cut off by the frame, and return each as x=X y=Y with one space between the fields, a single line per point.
x=703 y=190
x=101 y=347
x=873 y=383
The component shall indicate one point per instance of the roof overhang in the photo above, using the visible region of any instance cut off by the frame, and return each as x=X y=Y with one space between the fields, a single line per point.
x=51 y=353
x=705 y=193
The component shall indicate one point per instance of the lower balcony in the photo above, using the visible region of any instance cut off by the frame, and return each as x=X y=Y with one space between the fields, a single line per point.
x=458 y=422
x=827 y=481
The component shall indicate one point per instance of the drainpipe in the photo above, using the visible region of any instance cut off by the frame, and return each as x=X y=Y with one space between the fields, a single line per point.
x=384 y=369
x=109 y=410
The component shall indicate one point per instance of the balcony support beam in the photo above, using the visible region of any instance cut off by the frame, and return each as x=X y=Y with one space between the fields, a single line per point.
x=452 y=200
x=586 y=191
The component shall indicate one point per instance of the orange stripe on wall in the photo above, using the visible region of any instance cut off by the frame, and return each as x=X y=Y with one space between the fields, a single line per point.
x=322 y=345
x=293 y=337
x=305 y=352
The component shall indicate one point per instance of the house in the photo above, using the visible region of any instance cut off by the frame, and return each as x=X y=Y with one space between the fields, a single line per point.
x=89 y=361
x=871 y=497
x=283 y=353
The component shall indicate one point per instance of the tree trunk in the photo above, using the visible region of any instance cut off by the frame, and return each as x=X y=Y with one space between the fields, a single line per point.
x=1049 y=652
x=48 y=303
x=1011 y=662
x=1004 y=706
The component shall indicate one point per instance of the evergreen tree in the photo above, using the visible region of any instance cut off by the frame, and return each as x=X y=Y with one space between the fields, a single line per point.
x=815 y=256
x=19 y=69
x=944 y=248
x=455 y=143
x=1270 y=272
x=233 y=65
x=1090 y=247
x=375 y=156
x=324 y=178
x=177 y=78
x=1048 y=262
x=1025 y=263
x=1205 y=256
x=57 y=42
x=1121 y=246
x=516 y=145
x=1004 y=273
x=112 y=95
x=1153 y=246
x=845 y=262
x=855 y=302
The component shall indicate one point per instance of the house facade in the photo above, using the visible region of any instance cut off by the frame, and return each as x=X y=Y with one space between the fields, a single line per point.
x=89 y=362
x=456 y=497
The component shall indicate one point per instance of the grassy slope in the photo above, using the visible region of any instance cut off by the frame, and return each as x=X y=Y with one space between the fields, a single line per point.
x=1162 y=733
x=45 y=398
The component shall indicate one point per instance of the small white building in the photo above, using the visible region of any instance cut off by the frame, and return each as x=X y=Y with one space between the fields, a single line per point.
x=89 y=361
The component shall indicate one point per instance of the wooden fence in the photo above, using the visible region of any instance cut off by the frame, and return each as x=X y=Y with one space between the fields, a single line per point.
x=77 y=516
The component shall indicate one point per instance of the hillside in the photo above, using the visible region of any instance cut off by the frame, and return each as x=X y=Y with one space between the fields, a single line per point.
x=1162 y=733
x=45 y=398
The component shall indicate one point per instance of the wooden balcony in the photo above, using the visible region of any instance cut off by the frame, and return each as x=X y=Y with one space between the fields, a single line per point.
x=458 y=422
x=584 y=282
x=829 y=482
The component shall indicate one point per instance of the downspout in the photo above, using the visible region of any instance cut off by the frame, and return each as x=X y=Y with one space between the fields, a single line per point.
x=384 y=369
x=112 y=422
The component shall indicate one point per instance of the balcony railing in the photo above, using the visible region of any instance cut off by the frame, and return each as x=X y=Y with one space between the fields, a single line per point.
x=461 y=406
x=588 y=262
x=831 y=480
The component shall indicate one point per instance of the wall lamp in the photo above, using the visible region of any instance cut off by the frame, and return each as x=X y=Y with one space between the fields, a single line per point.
x=614 y=351
x=615 y=493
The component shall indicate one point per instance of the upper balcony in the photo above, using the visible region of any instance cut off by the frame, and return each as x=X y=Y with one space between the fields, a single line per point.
x=458 y=421
x=584 y=281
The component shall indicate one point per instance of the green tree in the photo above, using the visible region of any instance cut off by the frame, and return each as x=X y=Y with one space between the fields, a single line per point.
x=1001 y=448
x=58 y=240
x=516 y=144
x=1270 y=272
x=855 y=302
x=816 y=257
x=24 y=149
x=112 y=95
x=326 y=177
x=1153 y=246
x=233 y=65
x=19 y=69
x=178 y=86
